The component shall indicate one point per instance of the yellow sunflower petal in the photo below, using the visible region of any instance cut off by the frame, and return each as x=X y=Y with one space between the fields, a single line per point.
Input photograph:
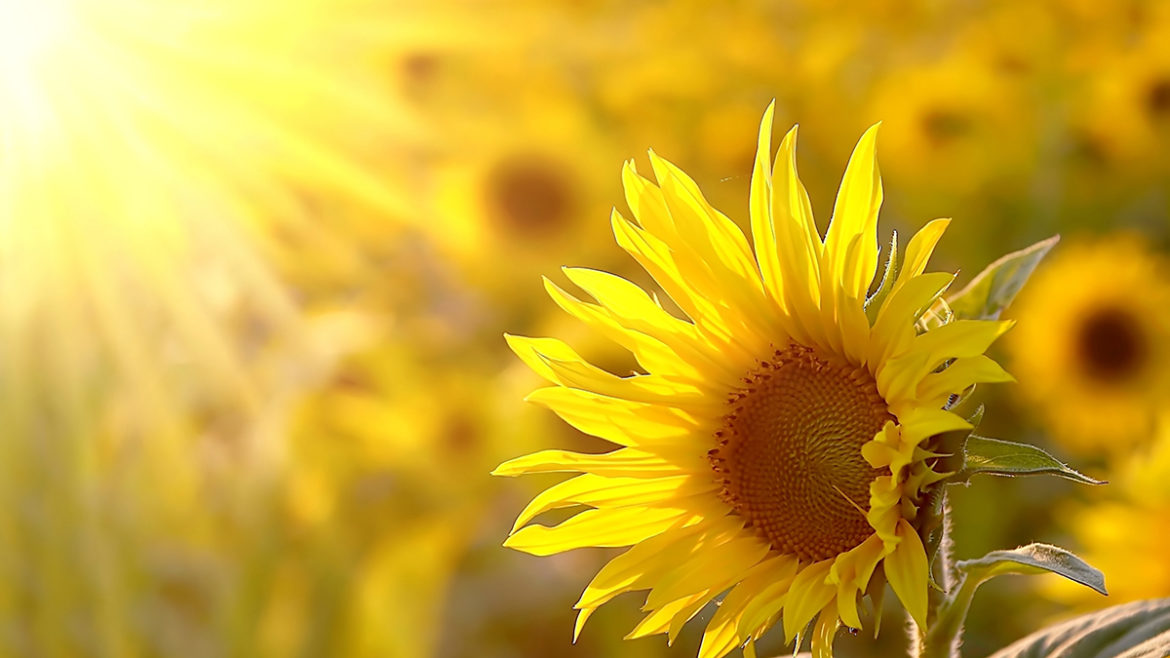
x=822 y=638
x=597 y=491
x=625 y=462
x=958 y=376
x=921 y=247
x=770 y=597
x=602 y=528
x=710 y=234
x=645 y=562
x=660 y=620
x=808 y=595
x=798 y=244
x=855 y=215
x=759 y=208
x=624 y=422
x=894 y=328
x=907 y=570
x=686 y=288
x=730 y=625
x=560 y=364
x=715 y=570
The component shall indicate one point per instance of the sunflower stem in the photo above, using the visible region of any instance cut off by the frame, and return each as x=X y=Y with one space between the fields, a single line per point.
x=944 y=635
x=940 y=639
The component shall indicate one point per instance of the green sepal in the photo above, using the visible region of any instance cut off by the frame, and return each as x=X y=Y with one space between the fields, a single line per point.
x=876 y=591
x=993 y=289
x=995 y=457
x=1033 y=559
x=1141 y=628
x=890 y=273
x=933 y=530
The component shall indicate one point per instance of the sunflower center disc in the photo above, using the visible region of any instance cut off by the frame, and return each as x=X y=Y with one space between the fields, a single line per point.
x=1110 y=345
x=530 y=196
x=789 y=453
x=1158 y=98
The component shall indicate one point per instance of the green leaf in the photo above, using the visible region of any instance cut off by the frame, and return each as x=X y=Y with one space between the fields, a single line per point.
x=1134 y=630
x=942 y=638
x=996 y=457
x=1034 y=559
x=993 y=289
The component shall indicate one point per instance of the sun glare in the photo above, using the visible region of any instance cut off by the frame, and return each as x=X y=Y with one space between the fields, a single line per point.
x=145 y=146
x=27 y=29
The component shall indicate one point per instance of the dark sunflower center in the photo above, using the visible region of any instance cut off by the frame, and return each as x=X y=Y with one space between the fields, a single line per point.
x=420 y=67
x=1158 y=98
x=943 y=126
x=529 y=196
x=789 y=453
x=1111 y=345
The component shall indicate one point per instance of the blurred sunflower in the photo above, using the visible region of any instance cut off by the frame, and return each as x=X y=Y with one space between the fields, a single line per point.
x=1107 y=530
x=777 y=444
x=383 y=466
x=524 y=193
x=947 y=109
x=1094 y=335
x=1121 y=113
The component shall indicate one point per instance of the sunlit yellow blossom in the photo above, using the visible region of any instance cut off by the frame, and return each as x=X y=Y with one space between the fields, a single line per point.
x=1121 y=104
x=1124 y=530
x=943 y=113
x=776 y=445
x=522 y=190
x=1096 y=325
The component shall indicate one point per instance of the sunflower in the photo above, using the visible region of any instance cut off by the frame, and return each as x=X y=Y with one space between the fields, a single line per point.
x=1129 y=83
x=775 y=446
x=948 y=108
x=1104 y=527
x=525 y=190
x=1090 y=347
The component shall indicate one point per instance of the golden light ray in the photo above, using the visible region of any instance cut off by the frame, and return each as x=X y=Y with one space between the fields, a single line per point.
x=149 y=152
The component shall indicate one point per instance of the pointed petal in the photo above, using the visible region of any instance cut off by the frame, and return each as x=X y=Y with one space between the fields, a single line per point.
x=798 y=243
x=625 y=462
x=612 y=493
x=602 y=528
x=922 y=246
x=906 y=569
x=855 y=214
x=760 y=210
x=808 y=594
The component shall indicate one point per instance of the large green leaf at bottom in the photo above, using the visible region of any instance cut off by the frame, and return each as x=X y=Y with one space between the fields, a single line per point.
x=1134 y=630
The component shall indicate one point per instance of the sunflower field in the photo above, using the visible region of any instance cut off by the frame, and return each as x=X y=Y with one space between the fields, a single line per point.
x=584 y=328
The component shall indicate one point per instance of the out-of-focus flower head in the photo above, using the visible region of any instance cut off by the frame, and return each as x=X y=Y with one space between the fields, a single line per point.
x=1092 y=343
x=521 y=185
x=1120 y=104
x=942 y=114
x=1123 y=529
